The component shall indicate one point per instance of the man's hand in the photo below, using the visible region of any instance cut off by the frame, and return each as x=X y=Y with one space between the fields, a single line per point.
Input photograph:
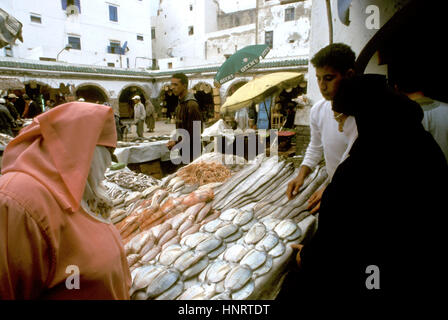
x=294 y=186
x=170 y=144
x=314 y=200
x=298 y=257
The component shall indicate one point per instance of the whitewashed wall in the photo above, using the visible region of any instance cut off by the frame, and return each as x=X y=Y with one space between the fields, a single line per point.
x=92 y=26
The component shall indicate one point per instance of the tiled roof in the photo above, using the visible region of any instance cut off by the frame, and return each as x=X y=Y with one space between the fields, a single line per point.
x=65 y=67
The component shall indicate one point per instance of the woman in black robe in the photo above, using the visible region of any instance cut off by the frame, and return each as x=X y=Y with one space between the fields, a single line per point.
x=380 y=231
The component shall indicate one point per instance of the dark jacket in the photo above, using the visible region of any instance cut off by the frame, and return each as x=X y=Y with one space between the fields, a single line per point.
x=384 y=202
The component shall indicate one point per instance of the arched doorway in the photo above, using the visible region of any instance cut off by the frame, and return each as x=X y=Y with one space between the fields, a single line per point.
x=204 y=95
x=91 y=93
x=125 y=104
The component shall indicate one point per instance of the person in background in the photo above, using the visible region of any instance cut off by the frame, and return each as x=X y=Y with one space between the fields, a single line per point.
x=150 y=115
x=242 y=119
x=186 y=112
x=55 y=212
x=333 y=63
x=6 y=120
x=139 y=115
x=435 y=119
x=10 y=104
x=118 y=124
x=31 y=108
x=252 y=116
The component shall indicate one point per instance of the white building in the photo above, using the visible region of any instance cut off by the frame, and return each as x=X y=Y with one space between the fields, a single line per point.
x=199 y=32
x=96 y=30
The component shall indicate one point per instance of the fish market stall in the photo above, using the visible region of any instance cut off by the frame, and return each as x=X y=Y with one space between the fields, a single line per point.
x=217 y=231
x=133 y=152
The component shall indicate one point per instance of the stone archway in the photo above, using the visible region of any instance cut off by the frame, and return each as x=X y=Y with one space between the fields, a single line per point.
x=125 y=105
x=203 y=92
x=92 y=92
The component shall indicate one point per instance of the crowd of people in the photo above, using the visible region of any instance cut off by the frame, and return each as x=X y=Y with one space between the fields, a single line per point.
x=378 y=207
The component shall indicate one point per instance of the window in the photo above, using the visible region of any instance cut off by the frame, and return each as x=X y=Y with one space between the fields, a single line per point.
x=8 y=51
x=139 y=38
x=113 y=13
x=114 y=47
x=153 y=33
x=269 y=38
x=66 y=3
x=36 y=18
x=75 y=42
x=289 y=14
x=191 y=7
x=111 y=64
x=170 y=65
x=190 y=30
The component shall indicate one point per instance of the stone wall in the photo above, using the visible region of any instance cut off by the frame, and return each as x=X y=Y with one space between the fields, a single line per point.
x=236 y=19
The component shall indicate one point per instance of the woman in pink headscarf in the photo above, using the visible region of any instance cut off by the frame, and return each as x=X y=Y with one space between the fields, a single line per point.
x=56 y=238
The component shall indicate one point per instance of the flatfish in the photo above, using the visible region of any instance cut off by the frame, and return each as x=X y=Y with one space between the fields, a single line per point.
x=254 y=259
x=278 y=250
x=269 y=241
x=244 y=292
x=243 y=217
x=237 y=278
x=218 y=271
x=285 y=228
x=255 y=233
x=235 y=253
x=226 y=231
x=209 y=244
x=172 y=293
x=229 y=214
x=195 y=269
x=162 y=282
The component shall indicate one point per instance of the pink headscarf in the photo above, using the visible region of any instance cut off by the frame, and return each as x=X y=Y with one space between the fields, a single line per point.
x=57 y=148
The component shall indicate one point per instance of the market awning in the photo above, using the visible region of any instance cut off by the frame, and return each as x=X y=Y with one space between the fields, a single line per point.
x=260 y=88
x=10 y=83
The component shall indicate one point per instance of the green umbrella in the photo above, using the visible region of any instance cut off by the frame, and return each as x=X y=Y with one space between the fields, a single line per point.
x=241 y=61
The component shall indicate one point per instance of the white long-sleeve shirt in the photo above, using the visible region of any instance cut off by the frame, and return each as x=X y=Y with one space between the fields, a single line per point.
x=326 y=140
x=139 y=112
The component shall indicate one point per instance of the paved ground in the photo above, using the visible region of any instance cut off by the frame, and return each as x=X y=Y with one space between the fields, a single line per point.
x=162 y=127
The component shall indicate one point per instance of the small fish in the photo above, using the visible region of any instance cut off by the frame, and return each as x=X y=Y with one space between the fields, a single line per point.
x=172 y=293
x=229 y=214
x=203 y=212
x=268 y=242
x=195 y=269
x=235 y=253
x=218 y=271
x=243 y=217
x=187 y=259
x=209 y=244
x=226 y=231
x=162 y=282
x=270 y=223
x=238 y=234
x=214 y=225
x=285 y=228
x=151 y=254
x=265 y=268
x=174 y=240
x=170 y=254
x=192 y=240
x=278 y=250
x=237 y=278
x=215 y=253
x=144 y=277
x=255 y=234
x=193 y=229
x=139 y=295
x=132 y=258
x=244 y=292
x=167 y=236
x=248 y=225
x=186 y=225
x=196 y=292
x=254 y=259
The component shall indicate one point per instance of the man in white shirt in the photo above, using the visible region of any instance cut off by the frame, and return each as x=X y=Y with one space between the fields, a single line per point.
x=139 y=115
x=331 y=138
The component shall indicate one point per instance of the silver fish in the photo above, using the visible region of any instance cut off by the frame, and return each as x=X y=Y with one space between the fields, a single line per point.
x=219 y=287
x=215 y=253
x=193 y=229
x=170 y=254
x=248 y=225
x=186 y=225
x=221 y=296
x=270 y=223
x=235 y=253
x=196 y=292
x=162 y=230
x=143 y=240
x=297 y=234
x=218 y=271
x=203 y=274
x=132 y=258
x=244 y=292
x=189 y=188
x=194 y=210
x=151 y=254
x=229 y=214
x=149 y=191
x=173 y=292
x=203 y=212
x=195 y=269
x=285 y=228
x=254 y=259
x=237 y=277
x=209 y=244
x=139 y=295
x=243 y=217
x=178 y=220
x=167 y=236
x=255 y=233
x=214 y=225
x=278 y=250
x=268 y=242
x=265 y=268
x=238 y=234
x=226 y=231
x=188 y=259
x=144 y=277
x=192 y=240
x=174 y=240
x=162 y=282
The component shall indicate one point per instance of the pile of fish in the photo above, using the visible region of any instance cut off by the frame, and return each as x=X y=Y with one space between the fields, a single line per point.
x=236 y=247
x=4 y=140
x=130 y=180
